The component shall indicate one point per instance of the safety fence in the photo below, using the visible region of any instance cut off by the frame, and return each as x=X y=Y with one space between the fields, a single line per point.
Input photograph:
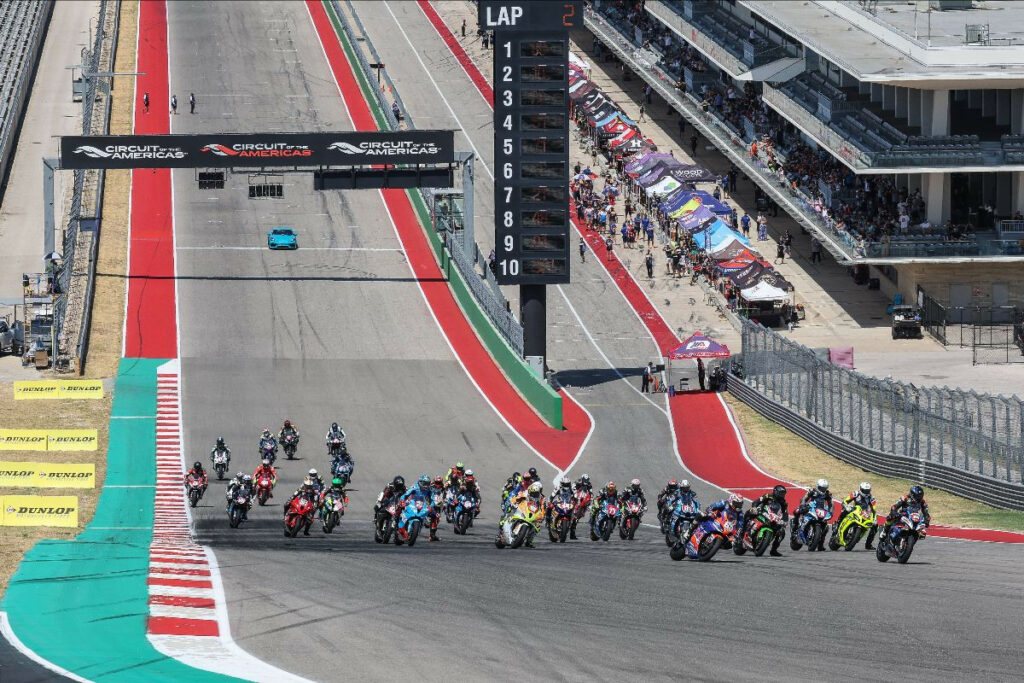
x=466 y=257
x=75 y=278
x=968 y=443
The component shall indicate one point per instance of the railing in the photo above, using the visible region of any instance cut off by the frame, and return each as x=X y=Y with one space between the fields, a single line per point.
x=968 y=443
x=484 y=288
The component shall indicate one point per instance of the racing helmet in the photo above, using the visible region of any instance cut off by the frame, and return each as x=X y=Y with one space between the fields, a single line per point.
x=424 y=481
x=823 y=485
x=635 y=485
x=266 y=432
x=533 y=473
x=535 y=490
x=247 y=479
x=916 y=494
x=239 y=474
x=585 y=478
x=312 y=472
x=398 y=482
x=438 y=481
x=470 y=479
x=307 y=482
x=266 y=462
x=672 y=485
x=334 y=426
x=220 y=442
x=336 y=483
x=735 y=501
x=610 y=487
x=779 y=493
x=469 y=473
x=684 y=486
x=459 y=466
x=865 y=488
x=564 y=483
x=197 y=466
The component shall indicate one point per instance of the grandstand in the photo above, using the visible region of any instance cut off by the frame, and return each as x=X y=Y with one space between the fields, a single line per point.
x=22 y=29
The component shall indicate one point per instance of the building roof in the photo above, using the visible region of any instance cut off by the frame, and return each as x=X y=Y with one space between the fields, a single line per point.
x=881 y=46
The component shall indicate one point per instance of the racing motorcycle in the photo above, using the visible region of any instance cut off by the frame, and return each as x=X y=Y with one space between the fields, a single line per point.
x=331 y=510
x=846 y=534
x=342 y=466
x=411 y=520
x=560 y=520
x=384 y=523
x=290 y=444
x=811 y=528
x=632 y=510
x=299 y=515
x=678 y=519
x=904 y=534
x=194 y=486
x=268 y=450
x=711 y=534
x=760 y=531
x=604 y=521
x=581 y=503
x=220 y=464
x=337 y=447
x=465 y=508
x=238 y=507
x=521 y=525
x=264 y=486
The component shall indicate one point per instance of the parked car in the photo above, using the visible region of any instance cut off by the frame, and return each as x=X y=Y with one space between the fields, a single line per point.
x=12 y=337
x=282 y=238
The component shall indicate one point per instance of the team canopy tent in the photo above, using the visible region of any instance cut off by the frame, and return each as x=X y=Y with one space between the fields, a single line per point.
x=696 y=220
x=699 y=346
x=645 y=162
x=699 y=197
x=763 y=291
x=576 y=60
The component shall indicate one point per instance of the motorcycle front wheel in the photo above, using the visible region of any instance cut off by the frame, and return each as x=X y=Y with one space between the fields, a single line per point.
x=193 y=497
x=462 y=523
x=414 y=531
x=262 y=497
x=291 y=530
x=763 y=542
x=906 y=548
x=519 y=536
x=853 y=537
x=606 y=530
x=563 y=530
x=235 y=518
x=709 y=545
x=813 y=535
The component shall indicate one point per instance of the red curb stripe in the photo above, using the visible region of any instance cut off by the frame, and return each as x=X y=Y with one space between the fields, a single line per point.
x=180 y=583
x=181 y=601
x=558 y=447
x=177 y=626
x=453 y=44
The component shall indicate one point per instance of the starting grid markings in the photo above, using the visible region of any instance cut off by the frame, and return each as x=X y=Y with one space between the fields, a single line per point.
x=182 y=603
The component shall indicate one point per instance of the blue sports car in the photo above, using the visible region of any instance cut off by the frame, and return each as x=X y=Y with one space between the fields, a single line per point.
x=282 y=238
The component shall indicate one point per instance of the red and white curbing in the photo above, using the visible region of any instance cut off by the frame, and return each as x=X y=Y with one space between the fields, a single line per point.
x=188 y=617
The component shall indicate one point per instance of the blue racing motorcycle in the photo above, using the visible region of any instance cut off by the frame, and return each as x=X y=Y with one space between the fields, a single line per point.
x=415 y=514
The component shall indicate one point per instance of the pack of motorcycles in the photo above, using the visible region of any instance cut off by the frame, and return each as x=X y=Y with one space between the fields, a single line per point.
x=688 y=533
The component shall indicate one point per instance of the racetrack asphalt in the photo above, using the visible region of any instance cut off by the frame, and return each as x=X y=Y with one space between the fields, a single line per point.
x=341 y=332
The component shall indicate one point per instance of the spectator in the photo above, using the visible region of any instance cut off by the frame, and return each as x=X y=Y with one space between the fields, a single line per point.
x=815 y=250
x=649 y=262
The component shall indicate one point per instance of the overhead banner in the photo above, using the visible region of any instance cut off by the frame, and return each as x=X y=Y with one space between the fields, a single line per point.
x=54 y=389
x=49 y=440
x=258 y=149
x=48 y=475
x=39 y=511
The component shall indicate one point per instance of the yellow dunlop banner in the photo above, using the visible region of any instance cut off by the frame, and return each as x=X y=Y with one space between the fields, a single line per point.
x=48 y=475
x=23 y=440
x=52 y=388
x=72 y=440
x=39 y=511
x=81 y=388
x=36 y=389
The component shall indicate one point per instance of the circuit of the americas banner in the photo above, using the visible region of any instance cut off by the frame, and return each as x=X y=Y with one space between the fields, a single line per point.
x=232 y=150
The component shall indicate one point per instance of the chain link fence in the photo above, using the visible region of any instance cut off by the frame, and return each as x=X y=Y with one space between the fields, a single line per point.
x=481 y=282
x=977 y=434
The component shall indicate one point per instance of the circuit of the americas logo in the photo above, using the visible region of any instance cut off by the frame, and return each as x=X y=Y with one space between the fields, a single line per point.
x=384 y=148
x=257 y=149
x=131 y=152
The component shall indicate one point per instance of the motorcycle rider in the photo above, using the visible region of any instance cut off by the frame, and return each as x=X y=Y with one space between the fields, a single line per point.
x=288 y=429
x=436 y=489
x=866 y=501
x=396 y=489
x=454 y=476
x=198 y=471
x=267 y=440
x=583 y=484
x=683 y=494
x=562 y=494
x=470 y=487
x=421 y=489
x=533 y=494
x=733 y=508
x=220 y=448
x=666 y=494
x=915 y=498
x=316 y=479
x=609 y=494
x=309 y=491
x=778 y=495
x=337 y=491
x=634 y=489
x=265 y=469
x=241 y=484
x=820 y=495
x=233 y=484
x=336 y=432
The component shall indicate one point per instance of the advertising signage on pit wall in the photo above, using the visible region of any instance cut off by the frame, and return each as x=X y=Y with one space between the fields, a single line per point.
x=229 y=150
x=531 y=138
